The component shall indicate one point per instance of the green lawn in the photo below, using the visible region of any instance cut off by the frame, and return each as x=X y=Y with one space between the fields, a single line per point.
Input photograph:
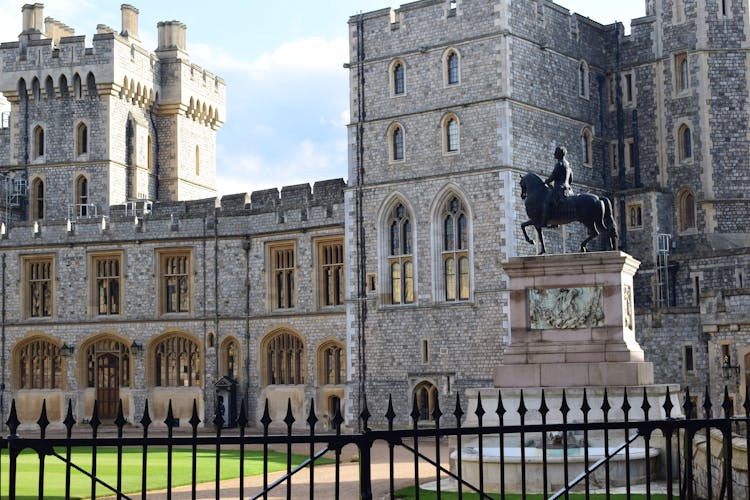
x=408 y=494
x=106 y=463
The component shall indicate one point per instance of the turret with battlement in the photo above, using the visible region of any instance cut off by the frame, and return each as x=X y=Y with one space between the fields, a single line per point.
x=94 y=126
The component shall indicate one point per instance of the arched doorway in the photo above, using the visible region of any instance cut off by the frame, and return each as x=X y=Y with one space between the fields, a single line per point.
x=107 y=369
x=107 y=385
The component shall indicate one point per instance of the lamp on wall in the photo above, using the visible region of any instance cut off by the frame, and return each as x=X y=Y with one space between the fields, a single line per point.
x=136 y=348
x=67 y=350
x=727 y=369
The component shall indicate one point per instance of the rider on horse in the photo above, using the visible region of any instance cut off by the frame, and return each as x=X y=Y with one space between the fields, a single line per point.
x=561 y=179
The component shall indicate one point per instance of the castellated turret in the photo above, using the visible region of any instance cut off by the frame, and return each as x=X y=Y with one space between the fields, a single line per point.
x=100 y=125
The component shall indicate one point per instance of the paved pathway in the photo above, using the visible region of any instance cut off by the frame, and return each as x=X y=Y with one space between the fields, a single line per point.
x=325 y=477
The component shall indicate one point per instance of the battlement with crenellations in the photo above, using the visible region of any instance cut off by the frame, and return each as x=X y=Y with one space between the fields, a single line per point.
x=116 y=61
x=294 y=208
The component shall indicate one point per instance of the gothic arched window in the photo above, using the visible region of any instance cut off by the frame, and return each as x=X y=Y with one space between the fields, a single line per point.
x=284 y=359
x=400 y=256
x=455 y=251
x=176 y=362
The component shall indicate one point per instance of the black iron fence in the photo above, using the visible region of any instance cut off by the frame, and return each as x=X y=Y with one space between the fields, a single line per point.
x=685 y=457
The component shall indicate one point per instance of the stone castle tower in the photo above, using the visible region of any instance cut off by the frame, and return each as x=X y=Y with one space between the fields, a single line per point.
x=106 y=124
x=452 y=99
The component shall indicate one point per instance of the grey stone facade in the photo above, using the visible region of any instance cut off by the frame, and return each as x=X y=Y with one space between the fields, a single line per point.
x=517 y=95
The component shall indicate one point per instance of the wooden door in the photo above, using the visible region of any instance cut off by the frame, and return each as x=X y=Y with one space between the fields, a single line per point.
x=107 y=385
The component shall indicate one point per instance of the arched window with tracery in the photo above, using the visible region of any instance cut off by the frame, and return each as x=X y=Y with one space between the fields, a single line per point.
x=331 y=366
x=107 y=347
x=91 y=86
x=400 y=256
x=396 y=142
x=82 y=139
x=685 y=143
x=586 y=146
x=230 y=358
x=37 y=199
x=177 y=362
x=450 y=134
x=82 y=196
x=38 y=141
x=451 y=67
x=284 y=359
x=455 y=250
x=583 y=80
x=398 y=77
x=39 y=365
x=425 y=395
x=686 y=210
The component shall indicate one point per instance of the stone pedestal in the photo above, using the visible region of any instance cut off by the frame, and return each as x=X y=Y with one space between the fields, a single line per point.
x=572 y=323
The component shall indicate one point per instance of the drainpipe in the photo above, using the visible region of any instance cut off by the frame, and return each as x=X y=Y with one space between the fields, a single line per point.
x=217 y=342
x=2 y=349
x=246 y=247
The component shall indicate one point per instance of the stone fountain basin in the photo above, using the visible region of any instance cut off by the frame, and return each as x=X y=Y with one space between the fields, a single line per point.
x=534 y=466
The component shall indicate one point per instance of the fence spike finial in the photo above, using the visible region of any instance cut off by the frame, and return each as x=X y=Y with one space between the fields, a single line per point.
x=289 y=418
x=194 y=418
x=668 y=404
x=645 y=405
x=43 y=421
x=458 y=412
x=585 y=407
x=95 y=422
x=266 y=418
x=522 y=407
x=242 y=418
x=365 y=414
x=707 y=405
x=146 y=418
x=170 y=420
x=500 y=410
x=605 y=403
x=688 y=406
x=338 y=419
x=70 y=420
x=625 y=402
x=543 y=408
x=414 y=410
x=727 y=404
x=120 y=419
x=436 y=413
x=312 y=418
x=564 y=408
x=13 y=421
x=390 y=415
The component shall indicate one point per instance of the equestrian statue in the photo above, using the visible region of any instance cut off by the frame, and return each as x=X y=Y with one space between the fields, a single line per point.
x=550 y=207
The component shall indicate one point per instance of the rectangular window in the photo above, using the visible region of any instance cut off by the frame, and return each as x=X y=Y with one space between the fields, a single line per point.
x=425 y=351
x=39 y=286
x=107 y=274
x=681 y=72
x=628 y=83
x=629 y=154
x=282 y=285
x=331 y=272
x=688 y=359
x=635 y=215
x=175 y=281
x=613 y=163
x=611 y=91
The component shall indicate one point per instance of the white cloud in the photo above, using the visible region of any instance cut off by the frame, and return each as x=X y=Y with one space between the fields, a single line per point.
x=300 y=57
x=308 y=162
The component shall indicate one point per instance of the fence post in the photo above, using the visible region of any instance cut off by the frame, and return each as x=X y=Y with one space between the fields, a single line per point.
x=365 y=466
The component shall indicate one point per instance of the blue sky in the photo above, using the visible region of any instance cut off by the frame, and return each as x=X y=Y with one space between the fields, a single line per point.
x=287 y=91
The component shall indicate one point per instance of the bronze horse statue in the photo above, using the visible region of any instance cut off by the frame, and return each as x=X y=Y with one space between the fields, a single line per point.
x=594 y=212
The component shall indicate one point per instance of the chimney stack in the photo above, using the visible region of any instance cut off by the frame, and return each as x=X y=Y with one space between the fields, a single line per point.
x=55 y=30
x=171 y=38
x=129 y=22
x=32 y=18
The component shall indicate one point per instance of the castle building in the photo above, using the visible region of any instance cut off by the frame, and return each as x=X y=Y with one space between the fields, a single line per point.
x=124 y=276
x=452 y=100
